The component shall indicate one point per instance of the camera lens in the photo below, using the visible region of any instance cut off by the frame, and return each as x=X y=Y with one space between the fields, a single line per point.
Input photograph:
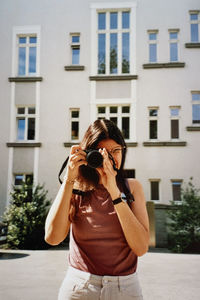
x=94 y=159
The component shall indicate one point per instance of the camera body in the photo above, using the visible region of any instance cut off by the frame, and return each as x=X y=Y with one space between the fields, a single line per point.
x=95 y=159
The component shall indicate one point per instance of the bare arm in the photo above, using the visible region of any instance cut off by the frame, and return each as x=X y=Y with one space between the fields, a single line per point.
x=134 y=221
x=57 y=222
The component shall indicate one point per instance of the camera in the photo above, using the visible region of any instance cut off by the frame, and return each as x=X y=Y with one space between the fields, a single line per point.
x=95 y=159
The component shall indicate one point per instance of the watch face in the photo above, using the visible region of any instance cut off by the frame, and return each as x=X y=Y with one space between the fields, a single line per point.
x=123 y=197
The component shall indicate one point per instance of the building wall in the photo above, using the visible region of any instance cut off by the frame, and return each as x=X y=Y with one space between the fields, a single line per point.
x=61 y=90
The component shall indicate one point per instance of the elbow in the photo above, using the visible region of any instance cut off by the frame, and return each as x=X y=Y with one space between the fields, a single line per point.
x=142 y=251
x=49 y=239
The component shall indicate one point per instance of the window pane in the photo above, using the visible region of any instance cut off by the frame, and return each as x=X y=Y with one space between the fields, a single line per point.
x=32 y=60
x=153 y=129
x=101 y=21
x=75 y=130
x=33 y=40
x=113 y=53
x=125 y=19
x=75 y=39
x=101 y=54
x=22 y=40
x=113 y=20
x=125 y=109
x=113 y=109
x=18 y=179
x=125 y=127
x=31 y=110
x=173 y=52
x=75 y=56
x=196 y=113
x=152 y=52
x=101 y=110
x=154 y=190
x=125 y=52
x=176 y=190
x=31 y=128
x=194 y=33
x=173 y=35
x=21 y=129
x=74 y=113
x=114 y=120
x=174 y=112
x=152 y=36
x=153 y=112
x=193 y=17
x=22 y=61
x=174 y=129
x=195 y=97
x=21 y=110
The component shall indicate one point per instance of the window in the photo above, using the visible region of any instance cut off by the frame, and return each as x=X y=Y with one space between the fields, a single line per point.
x=196 y=107
x=173 y=45
x=75 y=45
x=28 y=178
x=154 y=186
x=153 y=123
x=174 y=113
x=25 y=123
x=114 y=42
x=176 y=190
x=27 y=49
x=194 y=26
x=74 y=124
x=120 y=115
x=153 y=45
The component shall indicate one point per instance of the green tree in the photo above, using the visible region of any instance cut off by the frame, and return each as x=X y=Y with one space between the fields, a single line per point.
x=185 y=221
x=25 y=217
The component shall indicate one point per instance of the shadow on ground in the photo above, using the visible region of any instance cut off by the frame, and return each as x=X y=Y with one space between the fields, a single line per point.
x=12 y=255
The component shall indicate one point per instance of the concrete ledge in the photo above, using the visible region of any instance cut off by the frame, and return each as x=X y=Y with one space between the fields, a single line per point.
x=24 y=145
x=193 y=128
x=74 y=68
x=168 y=144
x=24 y=79
x=164 y=65
x=69 y=144
x=192 y=45
x=132 y=144
x=112 y=77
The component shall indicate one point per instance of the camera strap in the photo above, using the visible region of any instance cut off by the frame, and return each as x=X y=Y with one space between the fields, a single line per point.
x=62 y=168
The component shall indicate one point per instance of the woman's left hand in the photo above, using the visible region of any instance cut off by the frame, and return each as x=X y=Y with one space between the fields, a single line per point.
x=108 y=174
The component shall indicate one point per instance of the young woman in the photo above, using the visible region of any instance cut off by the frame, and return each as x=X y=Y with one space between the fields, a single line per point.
x=108 y=229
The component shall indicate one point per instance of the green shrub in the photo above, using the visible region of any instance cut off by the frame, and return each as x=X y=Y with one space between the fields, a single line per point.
x=184 y=236
x=25 y=217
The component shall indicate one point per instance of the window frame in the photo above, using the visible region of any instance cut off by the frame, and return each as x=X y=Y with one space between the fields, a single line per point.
x=108 y=31
x=25 y=116
x=181 y=183
x=25 y=31
x=119 y=115
x=176 y=117
x=195 y=103
x=74 y=119
x=152 y=42
x=24 y=177
x=195 y=12
x=174 y=41
x=159 y=189
x=75 y=46
x=153 y=118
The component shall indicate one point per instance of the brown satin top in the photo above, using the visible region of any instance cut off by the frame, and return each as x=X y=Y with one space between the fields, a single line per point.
x=97 y=242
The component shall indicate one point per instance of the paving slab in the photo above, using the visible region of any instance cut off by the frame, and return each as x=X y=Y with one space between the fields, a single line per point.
x=37 y=275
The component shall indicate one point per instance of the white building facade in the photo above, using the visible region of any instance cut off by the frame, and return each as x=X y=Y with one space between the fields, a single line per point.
x=66 y=63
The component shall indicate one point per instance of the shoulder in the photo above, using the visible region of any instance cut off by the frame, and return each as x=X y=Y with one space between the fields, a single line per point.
x=134 y=185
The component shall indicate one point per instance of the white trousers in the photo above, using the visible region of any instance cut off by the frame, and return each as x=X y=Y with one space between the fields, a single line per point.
x=81 y=285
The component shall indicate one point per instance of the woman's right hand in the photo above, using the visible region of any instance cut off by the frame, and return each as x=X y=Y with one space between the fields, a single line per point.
x=77 y=158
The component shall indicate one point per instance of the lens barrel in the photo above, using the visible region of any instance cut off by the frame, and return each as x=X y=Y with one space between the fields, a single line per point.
x=94 y=158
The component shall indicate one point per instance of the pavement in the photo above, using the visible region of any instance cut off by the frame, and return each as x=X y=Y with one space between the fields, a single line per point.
x=37 y=275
